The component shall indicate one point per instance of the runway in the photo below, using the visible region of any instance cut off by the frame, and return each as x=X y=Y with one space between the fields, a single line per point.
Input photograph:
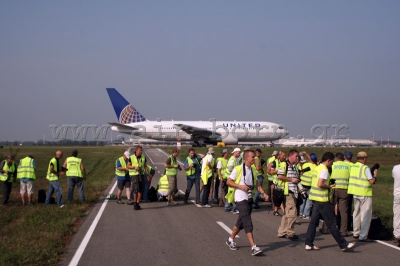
x=186 y=234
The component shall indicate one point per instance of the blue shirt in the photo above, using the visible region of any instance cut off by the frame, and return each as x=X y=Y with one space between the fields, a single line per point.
x=126 y=177
x=197 y=173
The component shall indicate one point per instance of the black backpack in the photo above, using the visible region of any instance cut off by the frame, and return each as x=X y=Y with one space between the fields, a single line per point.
x=152 y=195
x=377 y=230
x=41 y=196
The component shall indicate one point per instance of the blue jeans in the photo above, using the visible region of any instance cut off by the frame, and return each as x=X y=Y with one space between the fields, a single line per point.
x=54 y=185
x=306 y=205
x=260 y=180
x=190 y=182
x=78 y=181
x=145 y=188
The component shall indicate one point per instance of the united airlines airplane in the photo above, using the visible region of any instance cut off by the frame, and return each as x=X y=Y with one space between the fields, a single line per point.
x=200 y=132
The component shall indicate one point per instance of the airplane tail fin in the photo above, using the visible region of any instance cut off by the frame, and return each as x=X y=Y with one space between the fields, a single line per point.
x=125 y=112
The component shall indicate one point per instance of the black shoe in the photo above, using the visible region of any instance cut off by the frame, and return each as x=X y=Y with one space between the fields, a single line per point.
x=136 y=206
x=256 y=207
x=355 y=237
x=292 y=237
x=130 y=202
x=120 y=202
x=276 y=214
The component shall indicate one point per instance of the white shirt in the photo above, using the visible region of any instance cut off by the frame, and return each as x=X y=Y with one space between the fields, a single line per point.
x=396 y=177
x=206 y=159
x=241 y=195
x=324 y=175
x=219 y=164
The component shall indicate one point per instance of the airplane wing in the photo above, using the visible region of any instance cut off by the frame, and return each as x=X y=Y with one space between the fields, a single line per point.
x=196 y=131
x=124 y=128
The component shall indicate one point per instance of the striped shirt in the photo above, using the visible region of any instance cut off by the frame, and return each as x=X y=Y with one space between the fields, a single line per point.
x=291 y=173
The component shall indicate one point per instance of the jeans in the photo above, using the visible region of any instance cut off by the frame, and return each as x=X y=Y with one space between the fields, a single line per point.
x=324 y=210
x=260 y=180
x=216 y=188
x=6 y=191
x=54 y=185
x=145 y=188
x=190 y=183
x=306 y=205
x=206 y=191
x=78 y=182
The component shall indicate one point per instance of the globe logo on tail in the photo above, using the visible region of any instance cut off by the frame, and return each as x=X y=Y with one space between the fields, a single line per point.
x=130 y=115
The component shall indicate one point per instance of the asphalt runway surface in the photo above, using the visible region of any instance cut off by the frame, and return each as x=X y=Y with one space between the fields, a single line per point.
x=115 y=234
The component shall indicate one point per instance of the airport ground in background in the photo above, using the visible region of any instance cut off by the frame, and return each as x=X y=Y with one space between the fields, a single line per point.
x=38 y=234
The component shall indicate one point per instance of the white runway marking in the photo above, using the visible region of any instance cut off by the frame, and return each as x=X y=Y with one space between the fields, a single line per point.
x=386 y=244
x=194 y=202
x=85 y=241
x=226 y=228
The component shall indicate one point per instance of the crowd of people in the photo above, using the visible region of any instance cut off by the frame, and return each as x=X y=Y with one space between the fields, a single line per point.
x=333 y=189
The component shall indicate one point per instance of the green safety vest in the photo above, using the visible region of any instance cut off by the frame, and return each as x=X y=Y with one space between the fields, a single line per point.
x=307 y=176
x=123 y=165
x=358 y=181
x=207 y=172
x=227 y=173
x=163 y=184
x=4 y=176
x=341 y=173
x=74 y=167
x=273 y=177
x=316 y=193
x=224 y=164
x=261 y=172
x=135 y=162
x=26 y=169
x=50 y=176
x=149 y=168
x=172 y=171
x=281 y=183
x=191 y=170
x=230 y=196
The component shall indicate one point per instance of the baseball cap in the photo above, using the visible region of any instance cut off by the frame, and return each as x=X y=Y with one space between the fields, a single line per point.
x=235 y=150
x=211 y=150
x=275 y=153
x=247 y=148
x=302 y=160
x=224 y=151
x=348 y=154
x=126 y=153
x=313 y=156
x=362 y=154
x=258 y=150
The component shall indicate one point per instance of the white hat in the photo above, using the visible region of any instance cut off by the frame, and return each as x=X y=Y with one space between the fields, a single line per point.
x=211 y=150
x=126 y=153
x=275 y=153
x=235 y=150
x=302 y=160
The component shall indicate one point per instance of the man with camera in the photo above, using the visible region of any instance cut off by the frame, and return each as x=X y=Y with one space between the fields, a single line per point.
x=319 y=193
x=207 y=176
x=242 y=184
x=232 y=163
x=76 y=175
x=277 y=193
x=53 y=173
x=171 y=170
x=137 y=166
x=360 y=186
x=192 y=169
x=288 y=178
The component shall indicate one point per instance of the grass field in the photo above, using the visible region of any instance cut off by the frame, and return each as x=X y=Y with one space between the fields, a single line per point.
x=38 y=234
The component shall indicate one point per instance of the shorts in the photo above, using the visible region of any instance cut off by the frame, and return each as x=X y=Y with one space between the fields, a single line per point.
x=278 y=197
x=137 y=183
x=244 y=220
x=172 y=184
x=123 y=184
x=26 y=186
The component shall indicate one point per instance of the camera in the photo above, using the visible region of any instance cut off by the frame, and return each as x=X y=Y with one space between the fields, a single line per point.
x=63 y=169
x=307 y=169
x=332 y=181
x=250 y=194
x=373 y=168
x=302 y=190
x=179 y=168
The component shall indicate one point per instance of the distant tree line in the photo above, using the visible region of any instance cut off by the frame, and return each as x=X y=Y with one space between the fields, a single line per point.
x=63 y=142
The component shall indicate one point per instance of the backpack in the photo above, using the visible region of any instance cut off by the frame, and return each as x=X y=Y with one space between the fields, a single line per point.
x=377 y=230
x=41 y=196
x=152 y=195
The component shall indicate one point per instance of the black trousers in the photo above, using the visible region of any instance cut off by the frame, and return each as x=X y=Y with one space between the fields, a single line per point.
x=6 y=191
x=206 y=191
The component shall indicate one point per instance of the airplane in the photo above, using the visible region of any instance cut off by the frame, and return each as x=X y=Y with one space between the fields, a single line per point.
x=131 y=121
x=294 y=143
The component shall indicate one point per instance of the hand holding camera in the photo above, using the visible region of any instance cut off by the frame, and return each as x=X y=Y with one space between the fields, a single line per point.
x=179 y=167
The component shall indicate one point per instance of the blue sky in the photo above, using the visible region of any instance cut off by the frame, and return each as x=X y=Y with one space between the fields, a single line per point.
x=298 y=63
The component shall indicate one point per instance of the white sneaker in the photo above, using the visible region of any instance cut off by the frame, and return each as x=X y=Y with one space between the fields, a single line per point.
x=231 y=244
x=255 y=251
x=62 y=206
x=312 y=247
x=349 y=246
x=235 y=212
x=206 y=206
